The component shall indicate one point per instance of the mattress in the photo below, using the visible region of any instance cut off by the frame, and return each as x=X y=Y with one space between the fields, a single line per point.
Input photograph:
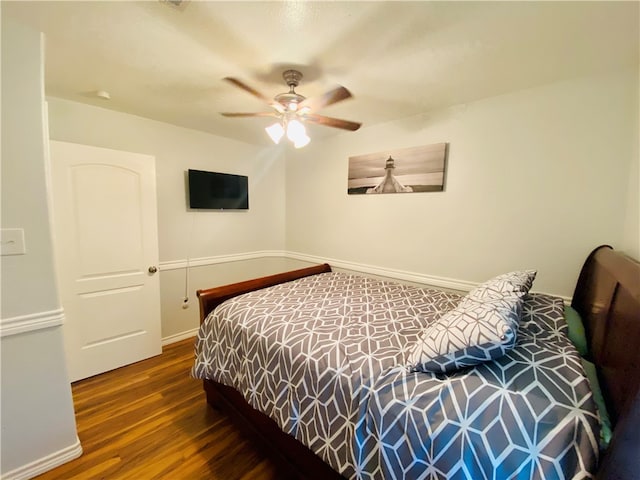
x=326 y=357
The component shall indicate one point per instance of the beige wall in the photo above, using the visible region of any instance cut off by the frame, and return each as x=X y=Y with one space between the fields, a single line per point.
x=182 y=232
x=37 y=410
x=24 y=192
x=535 y=179
x=176 y=320
x=631 y=240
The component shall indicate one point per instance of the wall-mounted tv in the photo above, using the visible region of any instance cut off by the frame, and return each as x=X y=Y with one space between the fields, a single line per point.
x=218 y=191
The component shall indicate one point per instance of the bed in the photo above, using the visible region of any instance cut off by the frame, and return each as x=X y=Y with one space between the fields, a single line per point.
x=341 y=400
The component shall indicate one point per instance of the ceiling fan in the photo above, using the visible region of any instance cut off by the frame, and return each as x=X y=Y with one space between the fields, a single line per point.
x=292 y=109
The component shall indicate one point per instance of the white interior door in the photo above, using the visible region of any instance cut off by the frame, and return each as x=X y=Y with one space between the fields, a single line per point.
x=106 y=249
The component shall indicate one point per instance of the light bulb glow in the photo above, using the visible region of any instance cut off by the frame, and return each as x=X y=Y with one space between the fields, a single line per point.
x=295 y=131
x=301 y=142
x=275 y=132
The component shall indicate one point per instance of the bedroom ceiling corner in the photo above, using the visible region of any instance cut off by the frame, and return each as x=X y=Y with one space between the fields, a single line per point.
x=166 y=60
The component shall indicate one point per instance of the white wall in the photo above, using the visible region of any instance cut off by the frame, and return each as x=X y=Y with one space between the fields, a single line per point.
x=535 y=179
x=24 y=196
x=176 y=149
x=631 y=240
x=38 y=424
x=178 y=322
x=183 y=233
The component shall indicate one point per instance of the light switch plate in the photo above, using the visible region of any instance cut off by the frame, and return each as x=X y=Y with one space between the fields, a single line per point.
x=12 y=241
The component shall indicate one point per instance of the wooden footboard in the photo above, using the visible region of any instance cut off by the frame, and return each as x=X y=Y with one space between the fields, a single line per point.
x=291 y=455
x=212 y=297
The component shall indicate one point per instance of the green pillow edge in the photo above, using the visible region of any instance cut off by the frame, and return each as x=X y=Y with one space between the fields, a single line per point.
x=577 y=333
x=605 y=422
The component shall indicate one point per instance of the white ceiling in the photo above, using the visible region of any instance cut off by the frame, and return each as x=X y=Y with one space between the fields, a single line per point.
x=398 y=58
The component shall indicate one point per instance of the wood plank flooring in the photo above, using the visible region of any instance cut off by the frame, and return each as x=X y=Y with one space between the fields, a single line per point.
x=150 y=420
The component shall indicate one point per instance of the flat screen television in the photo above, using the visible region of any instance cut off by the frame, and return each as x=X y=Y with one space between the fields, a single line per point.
x=218 y=191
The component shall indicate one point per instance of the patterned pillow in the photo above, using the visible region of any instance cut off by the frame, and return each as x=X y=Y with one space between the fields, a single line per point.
x=513 y=283
x=472 y=333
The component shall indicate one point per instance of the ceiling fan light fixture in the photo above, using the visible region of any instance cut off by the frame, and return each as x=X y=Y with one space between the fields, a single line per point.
x=296 y=131
x=291 y=109
x=302 y=142
x=275 y=132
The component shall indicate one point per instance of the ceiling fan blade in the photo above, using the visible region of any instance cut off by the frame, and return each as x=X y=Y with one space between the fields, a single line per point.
x=329 y=98
x=256 y=114
x=248 y=89
x=332 y=122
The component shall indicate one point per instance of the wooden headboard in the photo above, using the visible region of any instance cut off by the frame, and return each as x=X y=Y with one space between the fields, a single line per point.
x=607 y=296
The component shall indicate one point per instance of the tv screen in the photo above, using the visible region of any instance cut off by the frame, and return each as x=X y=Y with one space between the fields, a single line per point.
x=218 y=191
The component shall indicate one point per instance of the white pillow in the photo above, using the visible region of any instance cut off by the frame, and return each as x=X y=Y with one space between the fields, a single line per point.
x=472 y=333
x=516 y=283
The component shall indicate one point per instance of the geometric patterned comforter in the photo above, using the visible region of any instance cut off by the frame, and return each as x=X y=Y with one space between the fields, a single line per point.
x=325 y=356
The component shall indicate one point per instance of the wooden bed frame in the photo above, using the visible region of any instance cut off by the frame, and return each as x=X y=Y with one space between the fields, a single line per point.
x=607 y=296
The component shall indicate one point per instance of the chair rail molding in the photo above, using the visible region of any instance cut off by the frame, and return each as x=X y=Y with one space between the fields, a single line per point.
x=204 y=261
x=30 y=322
x=346 y=265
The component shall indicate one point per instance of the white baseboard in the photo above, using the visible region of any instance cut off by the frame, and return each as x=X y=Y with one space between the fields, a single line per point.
x=179 y=336
x=45 y=464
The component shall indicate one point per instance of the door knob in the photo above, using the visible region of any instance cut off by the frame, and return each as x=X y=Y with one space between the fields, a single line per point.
x=152 y=269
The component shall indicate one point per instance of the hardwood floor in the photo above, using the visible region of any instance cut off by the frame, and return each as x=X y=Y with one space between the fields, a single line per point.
x=150 y=420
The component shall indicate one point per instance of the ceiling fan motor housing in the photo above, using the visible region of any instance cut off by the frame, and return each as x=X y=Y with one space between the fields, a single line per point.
x=292 y=77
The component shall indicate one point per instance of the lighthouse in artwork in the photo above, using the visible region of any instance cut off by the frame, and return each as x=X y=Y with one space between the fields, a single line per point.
x=389 y=183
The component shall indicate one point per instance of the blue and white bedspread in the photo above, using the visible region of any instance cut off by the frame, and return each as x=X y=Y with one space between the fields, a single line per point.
x=326 y=357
